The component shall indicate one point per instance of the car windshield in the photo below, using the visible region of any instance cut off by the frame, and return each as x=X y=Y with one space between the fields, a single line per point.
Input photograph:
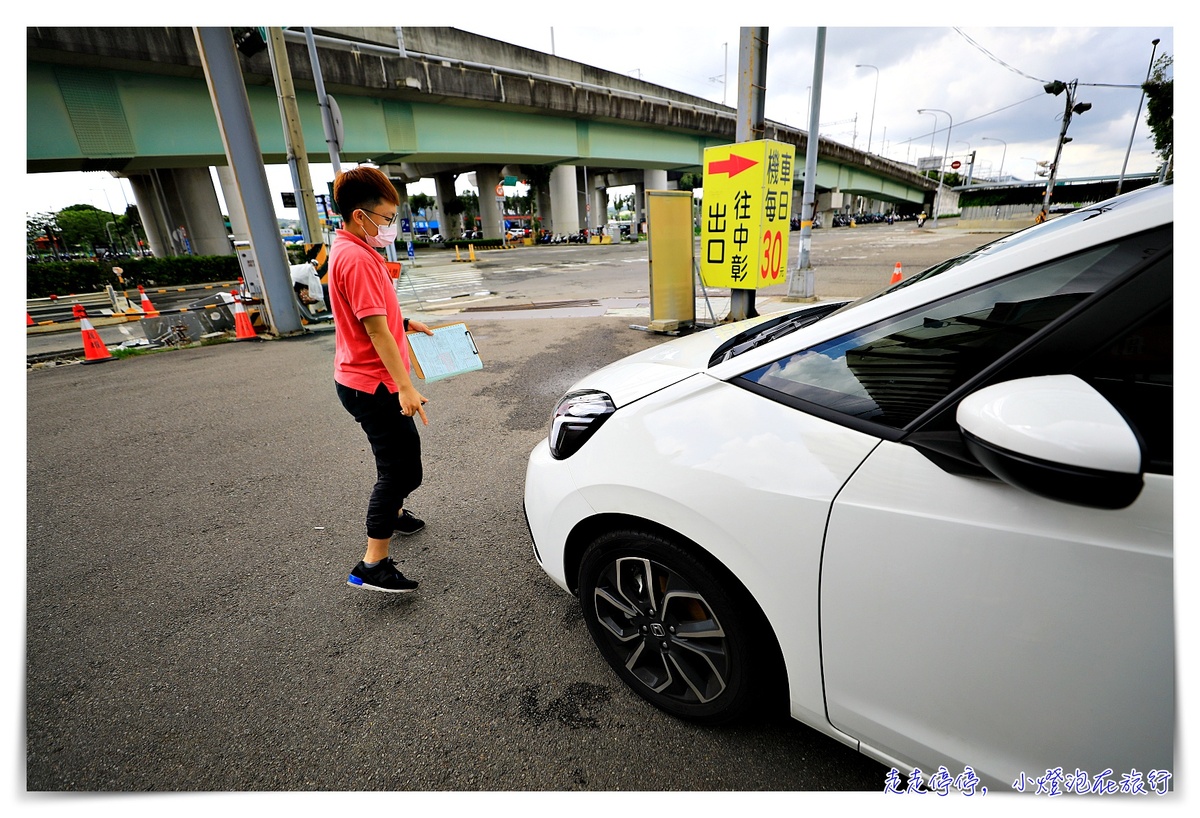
x=893 y=371
x=1068 y=220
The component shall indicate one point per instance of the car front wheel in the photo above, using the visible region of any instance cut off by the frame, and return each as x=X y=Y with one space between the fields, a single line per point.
x=669 y=628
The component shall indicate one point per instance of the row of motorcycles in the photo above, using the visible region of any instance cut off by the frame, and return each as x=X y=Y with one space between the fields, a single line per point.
x=844 y=219
x=582 y=237
x=544 y=237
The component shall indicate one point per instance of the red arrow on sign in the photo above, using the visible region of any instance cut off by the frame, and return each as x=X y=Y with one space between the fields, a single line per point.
x=733 y=165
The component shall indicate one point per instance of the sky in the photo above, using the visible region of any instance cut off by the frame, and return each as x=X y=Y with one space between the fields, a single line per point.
x=982 y=82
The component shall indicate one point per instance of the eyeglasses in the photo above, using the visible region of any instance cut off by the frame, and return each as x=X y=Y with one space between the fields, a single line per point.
x=388 y=222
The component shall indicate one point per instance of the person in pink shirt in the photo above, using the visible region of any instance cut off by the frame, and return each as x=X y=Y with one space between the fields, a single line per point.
x=371 y=366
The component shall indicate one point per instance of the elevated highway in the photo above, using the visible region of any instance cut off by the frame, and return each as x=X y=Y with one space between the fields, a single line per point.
x=420 y=102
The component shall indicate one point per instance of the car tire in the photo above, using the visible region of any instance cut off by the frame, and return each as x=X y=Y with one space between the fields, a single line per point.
x=680 y=636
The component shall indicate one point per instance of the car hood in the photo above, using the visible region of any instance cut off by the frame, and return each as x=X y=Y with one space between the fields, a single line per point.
x=650 y=370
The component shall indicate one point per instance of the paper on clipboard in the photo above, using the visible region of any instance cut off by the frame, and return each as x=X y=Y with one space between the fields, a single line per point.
x=449 y=351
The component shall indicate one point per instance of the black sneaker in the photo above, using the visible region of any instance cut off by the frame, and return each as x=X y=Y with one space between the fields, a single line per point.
x=383 y=577
x=407 y=524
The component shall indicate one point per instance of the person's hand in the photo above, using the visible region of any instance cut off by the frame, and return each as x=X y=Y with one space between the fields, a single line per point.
x=413 y=402
x=417 y=326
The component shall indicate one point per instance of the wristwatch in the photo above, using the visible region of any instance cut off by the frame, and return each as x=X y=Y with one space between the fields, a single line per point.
x=406 y=325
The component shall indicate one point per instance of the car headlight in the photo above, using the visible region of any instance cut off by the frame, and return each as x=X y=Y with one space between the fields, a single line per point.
x=576 y=418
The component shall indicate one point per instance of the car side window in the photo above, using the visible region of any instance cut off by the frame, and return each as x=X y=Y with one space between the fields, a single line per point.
x=1136 y=374
x=892 y=372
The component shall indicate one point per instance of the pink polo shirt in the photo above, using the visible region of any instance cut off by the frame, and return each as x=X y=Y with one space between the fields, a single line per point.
x=359 y=286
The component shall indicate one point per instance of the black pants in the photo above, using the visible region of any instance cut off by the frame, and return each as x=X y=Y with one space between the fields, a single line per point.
x=397 y=447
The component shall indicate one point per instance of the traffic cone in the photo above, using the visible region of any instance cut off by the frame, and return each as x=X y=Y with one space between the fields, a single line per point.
x=897 y=274
x=94 y=350
x=147 y=307
x=241 y=320
x=28 y=320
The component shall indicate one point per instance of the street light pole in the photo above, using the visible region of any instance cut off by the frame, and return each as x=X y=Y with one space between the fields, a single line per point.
x=871 y=132
x=1137 y=116
x=1003 y=153
x=933 y=133
x=941 y=177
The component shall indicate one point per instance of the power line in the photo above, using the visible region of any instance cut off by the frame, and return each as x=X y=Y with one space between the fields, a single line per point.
x=1019 y=72
x=982 y=116
x=996 y=59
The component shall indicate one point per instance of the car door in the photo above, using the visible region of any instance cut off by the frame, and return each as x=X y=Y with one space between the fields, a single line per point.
x=966 y=622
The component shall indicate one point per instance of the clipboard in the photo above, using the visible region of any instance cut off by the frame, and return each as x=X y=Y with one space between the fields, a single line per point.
x=449 y=351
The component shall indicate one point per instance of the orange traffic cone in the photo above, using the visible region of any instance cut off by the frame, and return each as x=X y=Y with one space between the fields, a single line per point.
x=897 y=274
x=94 y=350
x=241 y=320
x=147 y=307
x=28 y=320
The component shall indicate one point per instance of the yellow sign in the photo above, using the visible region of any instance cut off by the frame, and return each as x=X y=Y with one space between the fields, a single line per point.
x=746 y=218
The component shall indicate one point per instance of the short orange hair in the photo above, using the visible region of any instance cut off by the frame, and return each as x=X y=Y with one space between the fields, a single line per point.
x=362 y=187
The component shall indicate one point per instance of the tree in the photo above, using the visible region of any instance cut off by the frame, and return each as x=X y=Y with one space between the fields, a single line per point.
x=470 y=201
x=85 y=226
x=1160 y=108
x=420 y=202
x=41 y=232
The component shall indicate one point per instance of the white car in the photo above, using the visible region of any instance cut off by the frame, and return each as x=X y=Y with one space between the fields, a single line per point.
x=935 y=524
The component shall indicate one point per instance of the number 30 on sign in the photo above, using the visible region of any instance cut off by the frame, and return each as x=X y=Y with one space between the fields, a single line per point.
x=774 y=253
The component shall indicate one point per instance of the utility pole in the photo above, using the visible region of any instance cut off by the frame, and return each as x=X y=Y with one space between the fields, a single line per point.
x=806 y=290
x=293 y=137
x=752 y=84
x=1057 y=88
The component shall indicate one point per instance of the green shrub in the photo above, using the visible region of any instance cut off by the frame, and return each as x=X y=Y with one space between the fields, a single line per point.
x=46 y=278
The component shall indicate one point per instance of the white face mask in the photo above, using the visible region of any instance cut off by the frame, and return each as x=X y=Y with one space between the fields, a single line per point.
x=384 y=237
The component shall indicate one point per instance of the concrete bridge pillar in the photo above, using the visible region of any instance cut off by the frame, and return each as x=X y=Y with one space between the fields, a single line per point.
x=490 y=211
x=193 y=200
x=564 y=200
x=598 y=195
x=181 y=213
x=449 y=226
x=652 y=179
x=828 y=205
x=542 y=217
x=581 y=200
x=151 y=212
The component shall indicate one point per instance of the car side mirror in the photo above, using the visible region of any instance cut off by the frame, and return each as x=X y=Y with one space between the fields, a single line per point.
x=1054 y=436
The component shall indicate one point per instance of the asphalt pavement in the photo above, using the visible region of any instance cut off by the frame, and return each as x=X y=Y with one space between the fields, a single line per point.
x=191 y=517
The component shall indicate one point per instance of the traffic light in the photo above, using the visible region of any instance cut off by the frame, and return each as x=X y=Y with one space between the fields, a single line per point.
x=1055 y=87
x=249 y=41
